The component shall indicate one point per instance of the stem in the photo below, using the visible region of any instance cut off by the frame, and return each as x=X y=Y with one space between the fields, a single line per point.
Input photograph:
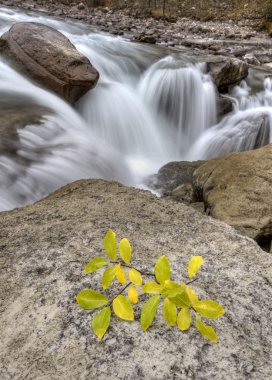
x=121 y=291
x=131 y=267
x=190 y=282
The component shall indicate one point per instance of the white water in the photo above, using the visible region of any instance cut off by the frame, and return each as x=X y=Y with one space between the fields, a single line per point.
x=148 y=108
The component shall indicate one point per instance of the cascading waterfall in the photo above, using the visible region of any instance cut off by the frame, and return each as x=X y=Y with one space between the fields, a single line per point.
x=248 y=127
x=183 y=96
x=151 y=106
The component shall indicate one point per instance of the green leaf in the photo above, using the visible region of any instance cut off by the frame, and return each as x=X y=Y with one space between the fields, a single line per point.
x=184 y=319
x=123 y=308
x=172 y=289
x=94 y=264
x=89 y=299
x=133 y=295
x=120 y=274
x=125 y=250
x=135 y=277
x=108 y=277
x=101 y=322
x=209 y=308
x=206 y=331
x=152 y=287
x=194 y=265
x=169 y=312
x=162 y=270
x=148 y=312
x=110 y=244
x=180 y=297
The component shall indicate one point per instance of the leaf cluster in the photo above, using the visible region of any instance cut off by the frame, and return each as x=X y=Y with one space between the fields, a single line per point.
x=179 y=301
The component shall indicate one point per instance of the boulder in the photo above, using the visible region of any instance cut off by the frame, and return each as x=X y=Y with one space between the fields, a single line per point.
x=237 y=188
x=49 y=58
x=226 y=71
x=44 y=247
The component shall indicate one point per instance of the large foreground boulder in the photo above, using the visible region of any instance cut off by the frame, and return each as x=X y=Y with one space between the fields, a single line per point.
x=44 y=247
x=48 y=57
x=237 y=188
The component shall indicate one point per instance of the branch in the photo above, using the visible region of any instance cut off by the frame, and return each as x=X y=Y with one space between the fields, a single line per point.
x=121 y=291
x=131 y=267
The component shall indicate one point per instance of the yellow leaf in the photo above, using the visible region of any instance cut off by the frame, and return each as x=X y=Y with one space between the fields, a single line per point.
x=120 y=274
x=194 y=265
x=152 y=287
x=94 y=264
x=205 y=330
x=135 y=277
x=110 y=244
x=133 y=295
x=108 y=277
x=101 y=322
x=89 y=299
x=148 y=312
x=179 y=296
x=125 y=250
x=184 y=319
x=171 y=288
x=162 y=270
x=123 y=308
x=169 y=312
x=192 y=295
x=209 y=308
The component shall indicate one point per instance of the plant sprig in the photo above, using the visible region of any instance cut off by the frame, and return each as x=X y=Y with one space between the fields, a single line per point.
x=179 y=300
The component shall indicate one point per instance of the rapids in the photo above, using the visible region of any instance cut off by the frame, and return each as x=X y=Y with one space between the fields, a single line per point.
x=151 y=106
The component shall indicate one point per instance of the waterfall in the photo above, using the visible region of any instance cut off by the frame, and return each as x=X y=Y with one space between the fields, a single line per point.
x=248 y=127
x=183 y=96
x=152 y=105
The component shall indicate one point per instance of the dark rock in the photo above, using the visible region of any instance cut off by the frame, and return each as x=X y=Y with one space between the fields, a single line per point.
x=183 y=193
x=224 y=105
x=14 y=118
x=147 y=39
x=174 y=174
x=226 y=71
x=49 y=58
x=81 y=6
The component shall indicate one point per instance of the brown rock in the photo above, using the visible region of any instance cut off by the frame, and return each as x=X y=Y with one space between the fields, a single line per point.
x=49 y=58
x=226 y=71
x=237 y=189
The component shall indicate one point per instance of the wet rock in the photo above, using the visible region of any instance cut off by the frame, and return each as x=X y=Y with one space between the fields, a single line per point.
x=149 y=39
x=81 y=6
x=237 y=189
x=174 y=174
x=44 y=247
x=14 y=118
x=49 y=58
x=183 y=193
x=224 y=105
x=226 y=71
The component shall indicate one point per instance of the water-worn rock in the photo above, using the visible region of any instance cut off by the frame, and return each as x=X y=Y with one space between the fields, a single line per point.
x=174 y=174
x=237 y=188
x=226 y=71
x=45 y=335
x=49 y=58
x=14 y=118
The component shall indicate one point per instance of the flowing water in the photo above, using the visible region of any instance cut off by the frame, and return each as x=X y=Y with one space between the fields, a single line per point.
x=151 y=106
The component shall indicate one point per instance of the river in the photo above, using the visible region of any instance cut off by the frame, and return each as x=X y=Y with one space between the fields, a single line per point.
x=151 y=106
